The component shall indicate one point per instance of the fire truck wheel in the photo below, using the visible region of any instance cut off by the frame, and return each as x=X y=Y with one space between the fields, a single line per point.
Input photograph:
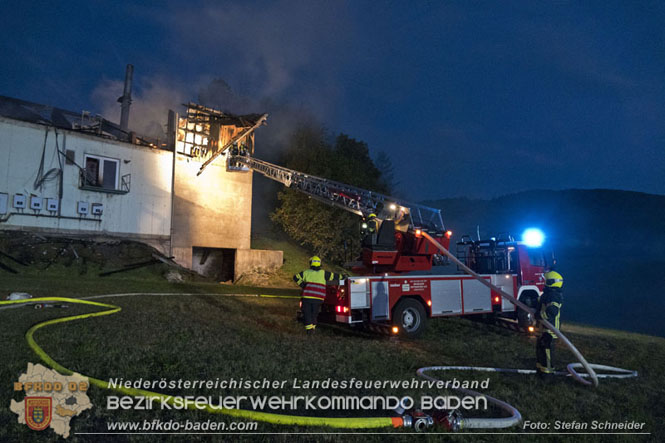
x=410 y=317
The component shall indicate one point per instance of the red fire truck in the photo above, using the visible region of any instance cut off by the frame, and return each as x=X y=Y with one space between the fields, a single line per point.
x=406 y=301
x=399 y=287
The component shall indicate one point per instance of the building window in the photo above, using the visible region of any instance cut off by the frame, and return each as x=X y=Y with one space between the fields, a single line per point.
x=101 y=172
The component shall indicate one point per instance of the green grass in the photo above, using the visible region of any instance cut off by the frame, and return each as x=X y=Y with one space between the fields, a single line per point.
x=210 y=336
x=296 y=258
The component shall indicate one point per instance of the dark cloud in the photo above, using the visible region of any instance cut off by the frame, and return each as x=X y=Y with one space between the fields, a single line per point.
x=467 y=98
x=151 y=101
x=286 y=50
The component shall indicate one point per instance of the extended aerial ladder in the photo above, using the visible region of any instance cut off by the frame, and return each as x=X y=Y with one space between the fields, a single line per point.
x=350 y=198
x=400 y=246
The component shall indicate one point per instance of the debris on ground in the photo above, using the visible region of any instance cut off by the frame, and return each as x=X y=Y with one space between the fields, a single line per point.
x=18 y=296
x=174 y=277
x=259 y=276
x=86 y=255
x=50 y=305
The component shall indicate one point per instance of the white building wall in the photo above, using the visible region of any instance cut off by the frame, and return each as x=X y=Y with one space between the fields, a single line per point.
x=212 y=210
x=143 y=212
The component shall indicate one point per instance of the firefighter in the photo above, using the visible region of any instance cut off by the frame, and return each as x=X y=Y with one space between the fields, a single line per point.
x=372 y=224
x=313 y=282
x=369 y=230
x=549 y=308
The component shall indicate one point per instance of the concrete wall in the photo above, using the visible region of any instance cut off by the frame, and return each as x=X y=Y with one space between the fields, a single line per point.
x=212 y=210
x=257 y=260
x=143 y=213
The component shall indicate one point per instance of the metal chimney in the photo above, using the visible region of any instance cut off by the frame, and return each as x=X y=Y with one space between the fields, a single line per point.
x=126 y=99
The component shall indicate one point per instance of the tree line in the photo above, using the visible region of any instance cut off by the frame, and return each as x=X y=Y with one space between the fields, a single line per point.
x=328 y=231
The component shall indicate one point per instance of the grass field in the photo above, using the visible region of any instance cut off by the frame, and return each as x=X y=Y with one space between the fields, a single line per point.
x=211 y=335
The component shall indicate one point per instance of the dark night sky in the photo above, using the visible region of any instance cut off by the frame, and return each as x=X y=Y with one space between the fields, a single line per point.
x=468 y=98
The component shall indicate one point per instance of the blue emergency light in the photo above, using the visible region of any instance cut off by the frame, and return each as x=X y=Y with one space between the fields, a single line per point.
x=533 y=237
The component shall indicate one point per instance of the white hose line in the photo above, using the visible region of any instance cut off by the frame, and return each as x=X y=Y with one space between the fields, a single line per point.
x=519 y=304
x=129 y=294
x=515 y=417
x=479 y=423
x=616 y=372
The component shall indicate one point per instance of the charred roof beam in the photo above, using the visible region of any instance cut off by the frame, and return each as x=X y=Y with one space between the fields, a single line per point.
x=234 y=140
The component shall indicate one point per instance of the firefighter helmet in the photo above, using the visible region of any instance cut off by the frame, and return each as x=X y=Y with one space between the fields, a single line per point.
x=553 y=279
x=315 y=262
x=371 y=216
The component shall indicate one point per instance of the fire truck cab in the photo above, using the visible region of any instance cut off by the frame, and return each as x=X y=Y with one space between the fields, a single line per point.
x=504 y=255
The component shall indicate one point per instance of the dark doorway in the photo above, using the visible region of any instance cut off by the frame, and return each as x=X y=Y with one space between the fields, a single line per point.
x=217 y=263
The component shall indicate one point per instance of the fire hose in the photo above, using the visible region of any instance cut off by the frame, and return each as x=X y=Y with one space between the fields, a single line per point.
x=589 y=368
x=455 y=422
x=416 y=420
x=281 y=419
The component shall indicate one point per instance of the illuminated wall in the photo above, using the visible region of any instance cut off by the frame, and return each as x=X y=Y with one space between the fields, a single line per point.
x=212 y=210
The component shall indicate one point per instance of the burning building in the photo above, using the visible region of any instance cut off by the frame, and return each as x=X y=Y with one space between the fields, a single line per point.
x=76 y=174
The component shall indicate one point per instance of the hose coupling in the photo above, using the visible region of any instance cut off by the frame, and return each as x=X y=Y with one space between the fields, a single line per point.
x=452 y=420
x=418 y=420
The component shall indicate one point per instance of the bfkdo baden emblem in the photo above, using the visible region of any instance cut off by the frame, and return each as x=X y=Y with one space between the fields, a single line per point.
x=38 y=412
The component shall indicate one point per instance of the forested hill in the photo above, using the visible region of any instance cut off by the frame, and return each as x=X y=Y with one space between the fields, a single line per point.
x=610 y=245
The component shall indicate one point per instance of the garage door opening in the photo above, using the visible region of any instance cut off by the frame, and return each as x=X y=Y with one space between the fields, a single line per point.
x=217 y=263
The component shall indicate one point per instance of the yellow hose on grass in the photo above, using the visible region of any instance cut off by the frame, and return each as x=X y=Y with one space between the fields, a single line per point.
x=280 y=419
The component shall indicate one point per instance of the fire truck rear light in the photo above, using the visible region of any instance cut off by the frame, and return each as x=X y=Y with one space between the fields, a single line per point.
x=449 y=234
x=342 y=309
x=429 y=302
x=395 y=330
x=531 y=329
x=497 y=299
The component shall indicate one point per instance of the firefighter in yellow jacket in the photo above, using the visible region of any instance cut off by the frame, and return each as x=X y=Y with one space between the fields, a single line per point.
x=549 y=308
x=313 y=282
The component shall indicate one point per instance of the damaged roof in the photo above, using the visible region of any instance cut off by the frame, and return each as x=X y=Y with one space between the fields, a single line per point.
x=196 y=112
x=61 y=118
x=98 y=126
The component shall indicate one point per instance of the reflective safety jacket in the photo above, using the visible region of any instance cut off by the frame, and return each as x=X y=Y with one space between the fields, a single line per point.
x=549 y=306
x=372 y=225
x=313 y=282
